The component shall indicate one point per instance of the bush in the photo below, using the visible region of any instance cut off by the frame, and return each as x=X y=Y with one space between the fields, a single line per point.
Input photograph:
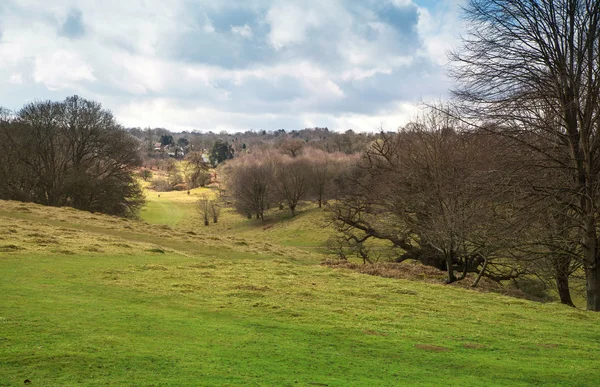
x=161 y=185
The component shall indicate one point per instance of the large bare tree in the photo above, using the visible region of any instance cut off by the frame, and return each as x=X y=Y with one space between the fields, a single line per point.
x=291 y=180
x=69 y=153
x=533 y=67
x=249 y=180
x=429 y=190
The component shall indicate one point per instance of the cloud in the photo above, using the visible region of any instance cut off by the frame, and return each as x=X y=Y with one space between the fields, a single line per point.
x=232 y=65
x=289 y=23
x=61 y=70
x=73 y=26
x=440 y=28
x=16 y=79
x=244 y=31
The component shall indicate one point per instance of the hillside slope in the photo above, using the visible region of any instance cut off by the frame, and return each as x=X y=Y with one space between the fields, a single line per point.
x=89 y=299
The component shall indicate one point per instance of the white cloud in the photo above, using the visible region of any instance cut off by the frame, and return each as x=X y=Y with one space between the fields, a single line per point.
x=244 y=31
x=16 y=79
x=62 y=69
x=289 y=23
x=440 y=31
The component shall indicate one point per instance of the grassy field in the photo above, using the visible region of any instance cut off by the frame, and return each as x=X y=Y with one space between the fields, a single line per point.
x=88 y=299
x=178 y=210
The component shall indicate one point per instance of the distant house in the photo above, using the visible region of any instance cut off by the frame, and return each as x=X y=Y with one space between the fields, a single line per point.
x=157 y=146
x=175 y=151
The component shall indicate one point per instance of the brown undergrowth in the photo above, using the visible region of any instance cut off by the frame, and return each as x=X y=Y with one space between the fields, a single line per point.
x=417 y=272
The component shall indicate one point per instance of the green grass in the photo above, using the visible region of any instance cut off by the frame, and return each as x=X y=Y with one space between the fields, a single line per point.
x=177 y=209
x=112 y=302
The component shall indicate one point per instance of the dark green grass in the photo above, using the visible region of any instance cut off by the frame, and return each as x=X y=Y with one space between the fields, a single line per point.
x=171 y=320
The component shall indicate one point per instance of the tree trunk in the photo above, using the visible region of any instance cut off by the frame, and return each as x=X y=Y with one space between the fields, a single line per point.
x=562 y=284
x=293 y=209
x=562 y=264
x=592 y=276
x=206 y=223
x=480 y=274
x=450 y=268
x=215 y=219
x=590 y=259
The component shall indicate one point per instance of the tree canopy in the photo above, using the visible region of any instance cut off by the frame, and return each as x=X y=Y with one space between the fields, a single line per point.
x=69 y=153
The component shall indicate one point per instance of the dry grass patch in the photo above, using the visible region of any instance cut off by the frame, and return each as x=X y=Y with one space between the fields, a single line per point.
x=418 y=272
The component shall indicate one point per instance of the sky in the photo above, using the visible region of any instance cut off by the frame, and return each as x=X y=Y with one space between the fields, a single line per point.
x=232 y=65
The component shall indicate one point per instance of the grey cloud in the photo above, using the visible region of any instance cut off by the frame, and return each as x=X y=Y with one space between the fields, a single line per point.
x=403 y=19
x=222 y=21
x=73 y=26
x=220 y=49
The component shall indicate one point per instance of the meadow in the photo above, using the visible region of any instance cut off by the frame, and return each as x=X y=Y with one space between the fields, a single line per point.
x=89 y=299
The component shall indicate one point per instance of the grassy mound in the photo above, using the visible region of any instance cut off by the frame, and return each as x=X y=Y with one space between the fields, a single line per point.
x=89 y=299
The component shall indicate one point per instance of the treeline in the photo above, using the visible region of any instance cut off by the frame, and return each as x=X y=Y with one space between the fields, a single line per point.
x=460 y=199
x=261 y=180
x=463 y=201
x=216 y=145
x=69 y=153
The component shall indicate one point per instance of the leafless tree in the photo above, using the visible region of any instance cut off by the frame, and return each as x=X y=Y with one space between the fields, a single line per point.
x=534 y=67
x=204 y=208
x=69 y=153
x=324 y=168
x=292 y=147
x=249 y=179
x=428 y=190
x=291 y=180
x=215 y=208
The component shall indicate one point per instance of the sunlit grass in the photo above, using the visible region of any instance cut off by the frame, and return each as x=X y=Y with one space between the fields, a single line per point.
x=310 y=228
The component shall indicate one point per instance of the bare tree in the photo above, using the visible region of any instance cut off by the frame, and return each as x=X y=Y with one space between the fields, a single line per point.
x=215 y=208
x=534 y=67
x=291 y=180
x=69 y=153
x=204 y=208
x=291 y=147
x=428 y=191
x=324 y=168
x=249 y=179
